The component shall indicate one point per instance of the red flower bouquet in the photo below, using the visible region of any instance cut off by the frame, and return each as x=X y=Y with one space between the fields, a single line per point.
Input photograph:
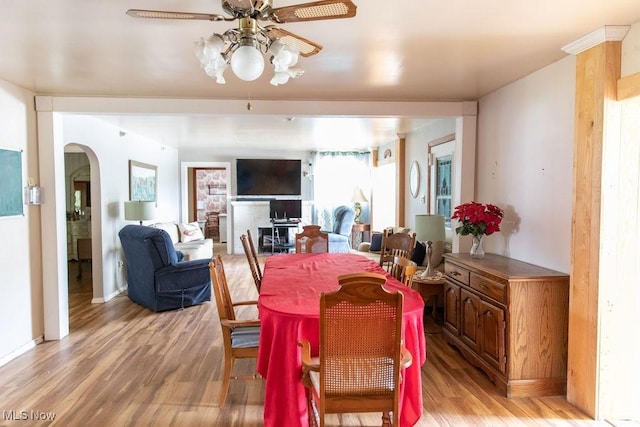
x=477 y=219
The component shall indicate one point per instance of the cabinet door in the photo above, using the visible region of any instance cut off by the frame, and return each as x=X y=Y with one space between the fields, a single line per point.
x=492 y=330
x=469 y=310
x=452 y=307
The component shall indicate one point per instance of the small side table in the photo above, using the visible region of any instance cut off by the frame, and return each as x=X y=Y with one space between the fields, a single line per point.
x=429 y=288
x=361 y=228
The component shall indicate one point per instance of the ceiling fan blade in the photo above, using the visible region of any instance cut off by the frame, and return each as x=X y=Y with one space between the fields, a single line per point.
x=303 y=46
x=159 y=14
x=314 y=11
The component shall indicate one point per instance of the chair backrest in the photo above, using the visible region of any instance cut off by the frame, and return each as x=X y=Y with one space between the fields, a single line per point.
x=360 y=333
x=312 y=240
x=403 y=269
x=221 y=289
x=396 y=244
x=146 y=249
x=343 y=221
x=249 y=251
x=151 y=247
x=254 y=254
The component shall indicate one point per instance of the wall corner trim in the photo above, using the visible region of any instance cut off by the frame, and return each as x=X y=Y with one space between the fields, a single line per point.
x=470 y=108
x=44 y=103
x=603 y=34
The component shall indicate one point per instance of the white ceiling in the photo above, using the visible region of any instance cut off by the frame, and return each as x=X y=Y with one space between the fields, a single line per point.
x=402 y=50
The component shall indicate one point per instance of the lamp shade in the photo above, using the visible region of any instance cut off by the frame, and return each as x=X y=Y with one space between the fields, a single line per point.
x=139 y=211
x=430 y=228
x=358 y=196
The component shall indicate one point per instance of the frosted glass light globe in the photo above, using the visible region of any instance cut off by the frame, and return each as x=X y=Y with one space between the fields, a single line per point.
x=247 y=63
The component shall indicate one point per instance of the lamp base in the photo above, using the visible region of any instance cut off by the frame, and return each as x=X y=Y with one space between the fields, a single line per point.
x=428 y=273
x=358 y=210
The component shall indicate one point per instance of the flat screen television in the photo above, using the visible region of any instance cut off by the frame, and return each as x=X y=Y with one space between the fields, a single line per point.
x=268 y=177
x=285 y=209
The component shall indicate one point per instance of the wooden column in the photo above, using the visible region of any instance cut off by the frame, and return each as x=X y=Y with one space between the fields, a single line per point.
x=401 y=172
x=597 y=72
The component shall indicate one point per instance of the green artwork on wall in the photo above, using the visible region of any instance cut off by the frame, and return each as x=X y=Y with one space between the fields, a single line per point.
x=10 y=182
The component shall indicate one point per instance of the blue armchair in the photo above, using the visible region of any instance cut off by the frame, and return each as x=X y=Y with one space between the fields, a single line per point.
x=156 y=276
x=342 y=225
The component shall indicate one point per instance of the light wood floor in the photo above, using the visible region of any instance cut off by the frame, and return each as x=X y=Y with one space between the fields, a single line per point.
x=124 y=365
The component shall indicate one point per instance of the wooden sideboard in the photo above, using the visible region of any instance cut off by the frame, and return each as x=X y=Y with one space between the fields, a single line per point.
x=510 y=319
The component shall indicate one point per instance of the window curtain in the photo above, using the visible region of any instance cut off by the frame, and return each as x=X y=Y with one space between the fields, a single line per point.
x=335 y=177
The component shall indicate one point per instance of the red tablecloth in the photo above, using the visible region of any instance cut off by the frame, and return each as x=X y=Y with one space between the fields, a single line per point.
x=289 y=306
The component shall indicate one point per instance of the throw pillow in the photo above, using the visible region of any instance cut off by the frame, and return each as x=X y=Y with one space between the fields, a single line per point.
x=376 y=242
x=190 y=232
x=364 y=246
x=419 y=253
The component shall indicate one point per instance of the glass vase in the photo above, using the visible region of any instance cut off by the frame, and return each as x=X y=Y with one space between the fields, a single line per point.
x=476 y=247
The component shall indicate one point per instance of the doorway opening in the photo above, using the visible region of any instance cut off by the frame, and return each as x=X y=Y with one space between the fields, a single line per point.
x=206 y=189
x=80 y=286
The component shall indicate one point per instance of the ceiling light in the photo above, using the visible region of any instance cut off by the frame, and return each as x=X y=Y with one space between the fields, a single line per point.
x=244 y=48
x=247 y=63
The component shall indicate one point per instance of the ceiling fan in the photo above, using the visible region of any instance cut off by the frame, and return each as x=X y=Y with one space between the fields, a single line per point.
x=243 y=47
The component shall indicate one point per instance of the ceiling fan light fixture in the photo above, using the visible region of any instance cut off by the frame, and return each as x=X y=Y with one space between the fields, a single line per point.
x=284 y=57
x=247 y=63
x=243 y=47
x=210 y=54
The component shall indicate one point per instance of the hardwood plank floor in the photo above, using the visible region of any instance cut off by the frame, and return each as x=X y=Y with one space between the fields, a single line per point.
x=123 y=365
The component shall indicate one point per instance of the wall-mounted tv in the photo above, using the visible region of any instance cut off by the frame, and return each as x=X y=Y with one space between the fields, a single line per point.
x=268 y=177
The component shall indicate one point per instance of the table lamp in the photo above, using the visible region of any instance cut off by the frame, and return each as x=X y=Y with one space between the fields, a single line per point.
x=137 y=210
x=358 y=197
x=429 y=229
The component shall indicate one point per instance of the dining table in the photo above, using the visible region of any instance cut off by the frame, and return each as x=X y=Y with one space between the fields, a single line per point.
x=289 y=310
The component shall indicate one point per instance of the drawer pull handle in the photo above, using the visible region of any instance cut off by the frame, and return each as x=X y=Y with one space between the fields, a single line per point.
x=483 y=286
x=455 y=273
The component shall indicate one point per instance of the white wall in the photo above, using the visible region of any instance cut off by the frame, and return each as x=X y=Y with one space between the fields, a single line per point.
x=109 y=192
x=524 y=164
x=631 y=52
x=619 y=296
x=21 y=313
x=417 y=147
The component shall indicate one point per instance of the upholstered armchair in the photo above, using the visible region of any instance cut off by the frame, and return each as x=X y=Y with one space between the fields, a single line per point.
x=156 y=276
x=343 y=222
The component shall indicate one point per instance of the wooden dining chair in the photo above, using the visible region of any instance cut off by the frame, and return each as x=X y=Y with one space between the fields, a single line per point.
x=404 y=269
x=396 y=244
x=252 y=258
x=312 y=240
x=361 y=352
x=240 y=337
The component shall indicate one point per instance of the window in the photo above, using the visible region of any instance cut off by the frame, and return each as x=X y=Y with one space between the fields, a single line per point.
x=443 y=188
x=441 y=175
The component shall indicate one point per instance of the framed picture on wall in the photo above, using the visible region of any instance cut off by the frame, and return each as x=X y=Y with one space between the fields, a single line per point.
x=10 y=183
x=143 y=182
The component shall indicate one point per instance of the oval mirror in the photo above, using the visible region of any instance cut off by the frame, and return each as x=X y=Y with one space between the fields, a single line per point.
x=414 y=179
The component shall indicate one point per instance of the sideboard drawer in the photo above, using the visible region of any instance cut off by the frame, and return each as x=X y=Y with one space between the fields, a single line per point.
x=457 y=273
x=488 y=287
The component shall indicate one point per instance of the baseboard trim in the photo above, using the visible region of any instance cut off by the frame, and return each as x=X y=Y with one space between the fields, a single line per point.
x=109 y=297
x=21 y=350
